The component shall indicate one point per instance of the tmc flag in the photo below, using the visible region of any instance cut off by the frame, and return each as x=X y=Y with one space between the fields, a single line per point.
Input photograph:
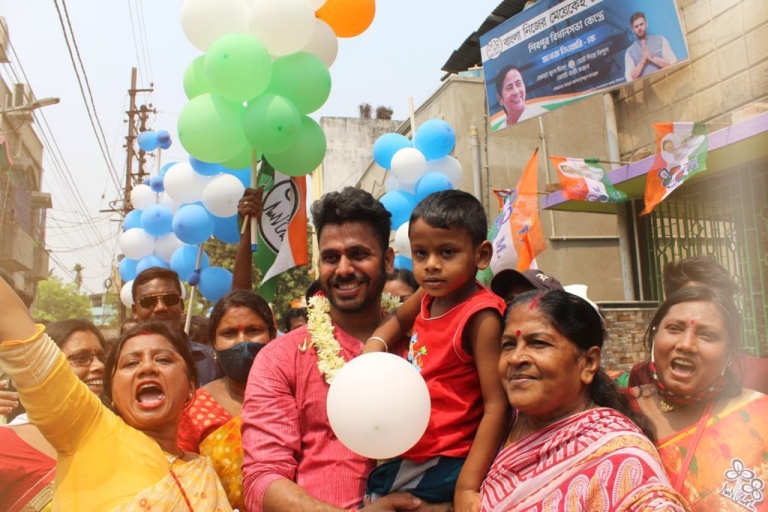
x=585 y=180
x=516 y=233
x=282 y=230
x=681 y=152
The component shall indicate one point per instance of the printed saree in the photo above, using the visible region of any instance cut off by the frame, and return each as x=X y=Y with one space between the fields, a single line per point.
x=597 y=460
x=729 y=469
x=225 y=449
x=191 y=486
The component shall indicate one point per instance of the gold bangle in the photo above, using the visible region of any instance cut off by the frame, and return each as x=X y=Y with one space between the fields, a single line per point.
x=386 y=347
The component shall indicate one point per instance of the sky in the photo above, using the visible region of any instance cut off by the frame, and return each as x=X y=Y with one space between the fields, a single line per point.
x=398 y=57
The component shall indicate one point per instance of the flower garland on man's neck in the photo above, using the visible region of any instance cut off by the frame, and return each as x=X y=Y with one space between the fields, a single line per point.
x=320 y=328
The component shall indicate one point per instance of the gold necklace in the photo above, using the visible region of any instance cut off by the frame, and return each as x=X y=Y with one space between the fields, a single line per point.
x=664 y=406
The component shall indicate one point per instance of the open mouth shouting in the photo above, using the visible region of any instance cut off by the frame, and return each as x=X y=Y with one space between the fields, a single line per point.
x=681 y=368
x=150 y=395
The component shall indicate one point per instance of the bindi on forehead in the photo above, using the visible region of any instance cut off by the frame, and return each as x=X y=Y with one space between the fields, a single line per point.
x=518 y=333
x=693 y=321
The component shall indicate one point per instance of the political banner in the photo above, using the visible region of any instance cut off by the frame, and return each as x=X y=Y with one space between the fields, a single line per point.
x=681 y=152
x=586 y=180
x=558 y=52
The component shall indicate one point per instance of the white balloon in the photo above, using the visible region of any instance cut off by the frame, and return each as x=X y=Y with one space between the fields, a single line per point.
x=168 y=201
x=378 y=405
x=135 y=243
x=392 y=183
x=316 y=4
x=402 y=243
x=449 y=166
x=183 y=184
x=143 y=197
x=324 y=43
x=204 y=21
x=222 y=194
x=126 y=294
x=166 y=245
x=409 y=164
x=283 y=26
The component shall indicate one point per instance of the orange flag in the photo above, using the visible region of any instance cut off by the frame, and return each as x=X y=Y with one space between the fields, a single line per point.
x=516 y=233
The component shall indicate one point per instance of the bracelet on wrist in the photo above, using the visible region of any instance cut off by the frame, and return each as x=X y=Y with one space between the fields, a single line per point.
x=377 y=338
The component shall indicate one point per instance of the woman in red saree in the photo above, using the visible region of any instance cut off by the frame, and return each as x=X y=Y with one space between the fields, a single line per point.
x=575 y=443
x=241 y=324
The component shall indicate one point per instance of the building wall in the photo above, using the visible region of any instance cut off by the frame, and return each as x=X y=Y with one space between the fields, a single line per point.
x=626 y=327
x=582 y=248
x=725 y=80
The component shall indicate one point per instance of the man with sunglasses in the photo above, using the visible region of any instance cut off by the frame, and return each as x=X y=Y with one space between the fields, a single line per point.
x=157 y=296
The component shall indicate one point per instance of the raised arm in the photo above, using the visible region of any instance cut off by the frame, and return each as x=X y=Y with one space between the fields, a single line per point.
x=15 y=320
x=251 y=205
x=484 y=335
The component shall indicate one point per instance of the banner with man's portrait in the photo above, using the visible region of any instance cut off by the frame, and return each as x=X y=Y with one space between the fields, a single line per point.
x=558 y=52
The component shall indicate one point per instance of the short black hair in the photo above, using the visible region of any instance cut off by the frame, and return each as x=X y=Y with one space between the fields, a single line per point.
x=638 y=14
x=312 y=290
x=293 y=313
x=174 y=337
x=241 y=298
x=61 y=330
x=353 y=205
x=453 y=209
x=502 y=75
x=404 y=275
x=703 y=270
x=155 y=273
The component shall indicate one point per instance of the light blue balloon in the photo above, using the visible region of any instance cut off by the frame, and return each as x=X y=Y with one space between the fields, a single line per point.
x=430 y=183
x=205 y=168
x=156 y=219
x=435 y=139
x=166 y=145
x=226 y=229
x=192 y=224
x=400 y=204
x=163 y=137
x=147 y=141
x=149 y=262
x=127 y=268
x=132 y=220
x=215 y=282
x=184 y=259
x=403 y=262
x=387 y=145
x=156 y=184
x=165 y=167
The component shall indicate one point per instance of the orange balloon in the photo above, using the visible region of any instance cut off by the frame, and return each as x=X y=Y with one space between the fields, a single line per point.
x=348 y=18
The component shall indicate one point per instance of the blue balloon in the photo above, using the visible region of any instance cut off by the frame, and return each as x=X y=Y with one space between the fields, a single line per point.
x=156 y=219
x=435 y=139
x=387 y=145
x=400 y=204
x=149 y=262
x=132 y=220
x=432 y=182
x=205 y=168
x=226 y=229
x=194 y=278
x=163 y=137
x=166 y=145
x=156 y=184
x=147 y=141
x=192 y=224
x=215 y=282
x=403 y=262
x=184 y=259
x=127 y=268
x=165 y=167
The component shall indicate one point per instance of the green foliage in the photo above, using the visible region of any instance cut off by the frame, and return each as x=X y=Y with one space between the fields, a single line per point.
x=57 y=300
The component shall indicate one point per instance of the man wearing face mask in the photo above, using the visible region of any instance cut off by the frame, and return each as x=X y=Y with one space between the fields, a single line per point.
x=241 y=324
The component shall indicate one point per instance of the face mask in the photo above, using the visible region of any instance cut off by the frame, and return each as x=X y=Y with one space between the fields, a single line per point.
x=237 y=361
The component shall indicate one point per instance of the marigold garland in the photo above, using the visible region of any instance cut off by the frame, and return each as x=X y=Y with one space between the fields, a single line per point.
x=320 y=328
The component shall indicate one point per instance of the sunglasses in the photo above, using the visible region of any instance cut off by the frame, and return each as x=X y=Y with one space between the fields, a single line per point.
x=150 y=301
x=85 y=359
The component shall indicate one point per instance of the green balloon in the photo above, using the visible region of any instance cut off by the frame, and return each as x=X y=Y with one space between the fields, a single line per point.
x=238 y=67
x=303 y=79
x=242 y=160
x=271 y=123
x=211 y=128
x=305 y=154
x=195 y=81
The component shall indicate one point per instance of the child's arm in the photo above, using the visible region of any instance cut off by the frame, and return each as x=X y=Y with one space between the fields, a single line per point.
x=484 y=335
x=394 y=326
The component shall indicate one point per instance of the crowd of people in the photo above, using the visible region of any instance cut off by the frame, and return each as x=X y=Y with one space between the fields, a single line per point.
x=523 y=414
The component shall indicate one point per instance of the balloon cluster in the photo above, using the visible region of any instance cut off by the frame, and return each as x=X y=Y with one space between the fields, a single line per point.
x=265 y=68
x=418 y=168
x=181 y=207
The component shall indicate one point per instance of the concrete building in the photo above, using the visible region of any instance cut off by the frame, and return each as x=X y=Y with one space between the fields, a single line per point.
x=23 y=258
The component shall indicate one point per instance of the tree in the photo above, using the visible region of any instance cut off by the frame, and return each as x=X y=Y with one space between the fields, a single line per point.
x=78 y=269
x=57 y=300
x=365 y=110
x=383 y=112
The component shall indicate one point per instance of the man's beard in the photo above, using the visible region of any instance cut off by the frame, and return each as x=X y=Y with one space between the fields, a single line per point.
x=375 y=287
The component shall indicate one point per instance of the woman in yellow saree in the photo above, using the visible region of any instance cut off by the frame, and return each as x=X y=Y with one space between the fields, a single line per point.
x=241 y=324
